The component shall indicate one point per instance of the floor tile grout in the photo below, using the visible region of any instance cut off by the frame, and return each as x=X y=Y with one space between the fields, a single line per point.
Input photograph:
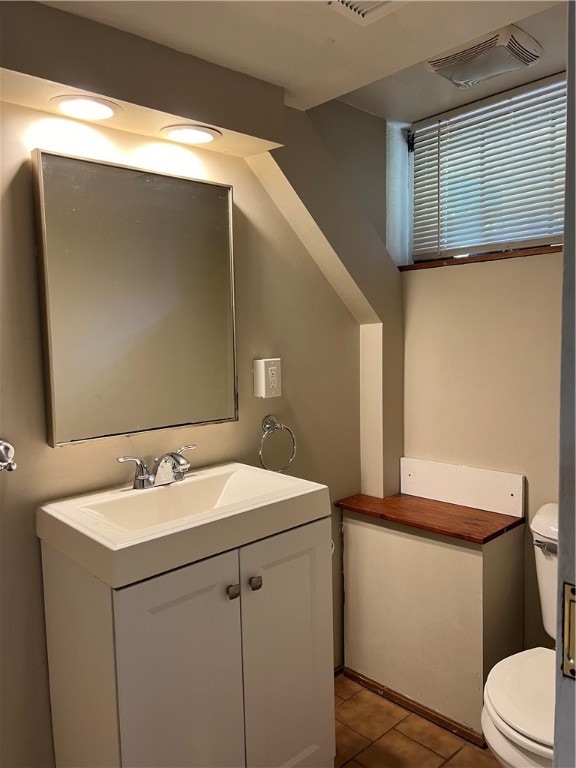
x=423 y=744
x=393 y=728
x=445 y=761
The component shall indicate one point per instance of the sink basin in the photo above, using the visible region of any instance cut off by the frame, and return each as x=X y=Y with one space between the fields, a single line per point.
x=125 y=535
x=199 y=494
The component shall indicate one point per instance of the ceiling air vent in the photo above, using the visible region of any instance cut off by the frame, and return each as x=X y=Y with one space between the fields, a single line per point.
x=365 y=13
x=503 y=51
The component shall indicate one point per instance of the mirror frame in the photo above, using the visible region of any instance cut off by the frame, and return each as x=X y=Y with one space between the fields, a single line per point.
x=42 y=261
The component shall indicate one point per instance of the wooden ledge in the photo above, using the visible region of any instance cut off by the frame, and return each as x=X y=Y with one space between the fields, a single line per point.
x=453 y=520
x=497 y=256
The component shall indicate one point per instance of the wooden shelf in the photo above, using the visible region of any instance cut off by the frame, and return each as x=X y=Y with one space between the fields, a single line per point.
x=453 y=520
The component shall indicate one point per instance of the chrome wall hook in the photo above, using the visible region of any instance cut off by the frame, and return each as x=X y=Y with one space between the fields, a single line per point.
x=7 y=456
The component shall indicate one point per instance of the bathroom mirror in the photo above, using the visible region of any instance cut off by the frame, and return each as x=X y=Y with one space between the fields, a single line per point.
x=138 y=299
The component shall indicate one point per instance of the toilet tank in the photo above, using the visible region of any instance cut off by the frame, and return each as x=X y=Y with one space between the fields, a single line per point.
x=545 y=534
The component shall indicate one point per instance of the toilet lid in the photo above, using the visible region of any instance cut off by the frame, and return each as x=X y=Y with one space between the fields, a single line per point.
x=521 y=689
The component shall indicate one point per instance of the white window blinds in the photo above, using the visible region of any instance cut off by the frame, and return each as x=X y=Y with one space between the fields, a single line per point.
x=491 y=178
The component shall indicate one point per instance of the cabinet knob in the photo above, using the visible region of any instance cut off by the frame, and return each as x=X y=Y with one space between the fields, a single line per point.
x=255 y=583
x=233 y=591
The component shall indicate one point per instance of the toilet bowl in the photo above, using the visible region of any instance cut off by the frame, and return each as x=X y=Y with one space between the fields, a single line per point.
x=518 y=713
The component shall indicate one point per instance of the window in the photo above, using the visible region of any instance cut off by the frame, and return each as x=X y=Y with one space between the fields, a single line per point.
x=491 y=177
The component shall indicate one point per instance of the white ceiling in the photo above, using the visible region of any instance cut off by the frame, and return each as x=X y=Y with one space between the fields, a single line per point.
x=430 y=94
x=317 y=54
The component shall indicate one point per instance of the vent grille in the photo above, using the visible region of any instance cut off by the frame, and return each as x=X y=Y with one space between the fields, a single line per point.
x=528 y=57
x=502 y=51
x=469 y=53
x=365 y=13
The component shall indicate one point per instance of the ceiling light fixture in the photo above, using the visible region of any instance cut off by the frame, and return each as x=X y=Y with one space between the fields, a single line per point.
x=85 y=107
x=191 y=134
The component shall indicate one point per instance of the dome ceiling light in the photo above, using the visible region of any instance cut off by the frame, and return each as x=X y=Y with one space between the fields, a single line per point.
x=191 y=134
x=85 y=107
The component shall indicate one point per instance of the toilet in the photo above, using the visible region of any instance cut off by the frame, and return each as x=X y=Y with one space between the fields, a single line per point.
x=518 y=713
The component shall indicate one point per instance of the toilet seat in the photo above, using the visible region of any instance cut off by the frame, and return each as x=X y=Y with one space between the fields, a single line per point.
x=515 y=737
x=519 y=699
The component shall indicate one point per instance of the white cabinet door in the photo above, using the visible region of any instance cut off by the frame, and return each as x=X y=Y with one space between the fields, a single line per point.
x=287 y=641
x=179 y=668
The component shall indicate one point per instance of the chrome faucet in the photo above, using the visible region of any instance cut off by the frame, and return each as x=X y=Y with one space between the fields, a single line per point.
x=168 y=468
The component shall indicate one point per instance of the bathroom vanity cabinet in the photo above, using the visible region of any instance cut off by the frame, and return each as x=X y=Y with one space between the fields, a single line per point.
x=222 y=662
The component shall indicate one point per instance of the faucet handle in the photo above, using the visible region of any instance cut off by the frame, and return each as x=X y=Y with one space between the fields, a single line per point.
x=142 y=476
x=191 y=447
x=181 y=465
x=140 y=464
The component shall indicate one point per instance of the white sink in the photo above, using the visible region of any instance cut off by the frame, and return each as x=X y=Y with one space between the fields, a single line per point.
x=126 y=535
x=198 y=494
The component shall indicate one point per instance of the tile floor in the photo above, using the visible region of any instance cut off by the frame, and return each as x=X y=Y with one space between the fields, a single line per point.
x=372 y=732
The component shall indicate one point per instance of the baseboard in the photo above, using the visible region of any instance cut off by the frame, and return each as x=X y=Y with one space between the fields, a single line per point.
x=338 y=670
x=419 y=709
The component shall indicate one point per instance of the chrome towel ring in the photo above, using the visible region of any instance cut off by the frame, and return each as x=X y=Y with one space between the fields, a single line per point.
x=271 y=424
x=7 y=456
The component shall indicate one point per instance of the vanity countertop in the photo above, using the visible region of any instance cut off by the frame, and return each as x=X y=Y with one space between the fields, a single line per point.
x=458 y=522
x=126 y=535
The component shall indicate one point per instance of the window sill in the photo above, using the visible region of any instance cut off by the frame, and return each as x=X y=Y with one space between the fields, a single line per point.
x=454 y=262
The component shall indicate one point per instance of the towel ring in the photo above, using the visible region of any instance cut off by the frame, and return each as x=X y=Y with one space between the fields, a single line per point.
x=269 y=425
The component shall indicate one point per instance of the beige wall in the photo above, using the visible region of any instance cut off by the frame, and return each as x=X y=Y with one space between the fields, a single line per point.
x=309 y=167
x=482 y=361
x=284 y=307
x=357 y=141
